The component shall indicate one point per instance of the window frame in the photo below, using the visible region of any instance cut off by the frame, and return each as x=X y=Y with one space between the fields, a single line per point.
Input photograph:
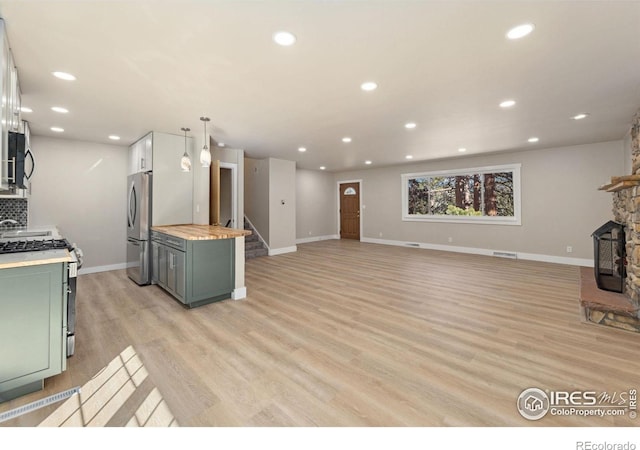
x=516 y=219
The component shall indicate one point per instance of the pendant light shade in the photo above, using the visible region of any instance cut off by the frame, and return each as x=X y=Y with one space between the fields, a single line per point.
x=205 y=154
x=185 y=161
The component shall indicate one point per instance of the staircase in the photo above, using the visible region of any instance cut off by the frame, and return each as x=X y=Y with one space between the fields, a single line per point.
x=253 y=246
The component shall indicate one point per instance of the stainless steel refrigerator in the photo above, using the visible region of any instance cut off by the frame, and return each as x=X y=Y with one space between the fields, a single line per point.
x=138 y=227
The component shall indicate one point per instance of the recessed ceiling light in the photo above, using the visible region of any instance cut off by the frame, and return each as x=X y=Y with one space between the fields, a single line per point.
x=322 y=167
x=284 y=38
x=346 y=139
x=59 y=109
x=462 y=150
x=302 y=149
x=221 y=144
x=113 y=137
x=409 y=157
x=26 y=109
x=64 y=76
x=507 y=103
x=57 y=129
x=368 y=86
x=520 y=31
x=580 y=116
x=410 y=125
x=368 y=162
x=533 y=139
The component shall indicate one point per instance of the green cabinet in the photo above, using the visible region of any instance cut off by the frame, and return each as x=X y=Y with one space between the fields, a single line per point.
x=195 y=272
x=33 y=316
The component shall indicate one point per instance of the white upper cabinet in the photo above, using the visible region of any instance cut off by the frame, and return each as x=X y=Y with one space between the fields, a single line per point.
x=141 y=155
x=10 y=109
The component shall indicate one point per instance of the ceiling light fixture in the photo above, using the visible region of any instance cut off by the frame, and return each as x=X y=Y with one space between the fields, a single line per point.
x=507 y=103
x=322 y=167
x=284 y=38
x=367 y=162
x=409 y=157
x=185 y=161
x=205 y=154
x=533 y=139
x=113 y=137
x=346 y=139
x=302 y=149
x=580 y=116
x=59 y=109
x=368 y=86
x=462 y=150
x=57 y=129
x=520 y=31
x=410 y=125
x=64 y=76
x=221 y=144
x=26 y=109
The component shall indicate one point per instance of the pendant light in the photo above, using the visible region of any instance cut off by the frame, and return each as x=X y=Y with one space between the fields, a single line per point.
x=185 y=162
x=205 y=154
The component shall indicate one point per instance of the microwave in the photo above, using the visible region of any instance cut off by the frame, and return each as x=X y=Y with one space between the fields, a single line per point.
x=18 y=154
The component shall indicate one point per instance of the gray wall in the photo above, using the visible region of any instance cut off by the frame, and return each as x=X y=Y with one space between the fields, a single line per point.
x=234 y=156
x=256 y=189
x=270 y=201
x=282 y=204
x=80 y=187
x=315 y=204
x=561 y=205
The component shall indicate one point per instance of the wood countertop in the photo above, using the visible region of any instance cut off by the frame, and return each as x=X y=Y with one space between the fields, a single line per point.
x=193 y=232
x=12 y=260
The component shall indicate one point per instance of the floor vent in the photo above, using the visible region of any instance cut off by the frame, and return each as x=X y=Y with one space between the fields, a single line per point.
x=506 y=255
x=55 y=398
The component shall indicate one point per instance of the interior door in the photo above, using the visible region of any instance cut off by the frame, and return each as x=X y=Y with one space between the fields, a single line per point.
x=350 y=211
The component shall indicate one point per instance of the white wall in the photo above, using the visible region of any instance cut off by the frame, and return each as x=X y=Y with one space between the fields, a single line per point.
x=315 y=205
x=80 y=187
x=561 y=205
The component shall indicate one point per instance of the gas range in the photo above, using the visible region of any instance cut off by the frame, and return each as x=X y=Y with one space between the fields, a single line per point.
x=33 y=245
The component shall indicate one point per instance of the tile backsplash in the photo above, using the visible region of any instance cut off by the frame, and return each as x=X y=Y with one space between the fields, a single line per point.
x=16 y=209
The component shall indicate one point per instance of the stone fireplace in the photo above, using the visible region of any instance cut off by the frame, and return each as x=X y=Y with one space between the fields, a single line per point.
x=620 y=310
x=626 y=211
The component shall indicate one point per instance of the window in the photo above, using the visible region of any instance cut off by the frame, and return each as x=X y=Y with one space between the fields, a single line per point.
x=478 y=195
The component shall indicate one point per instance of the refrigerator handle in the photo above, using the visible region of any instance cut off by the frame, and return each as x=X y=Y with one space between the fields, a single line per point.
x=132 y=207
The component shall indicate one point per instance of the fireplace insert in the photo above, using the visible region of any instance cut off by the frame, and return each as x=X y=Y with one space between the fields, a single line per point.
x=609 y=256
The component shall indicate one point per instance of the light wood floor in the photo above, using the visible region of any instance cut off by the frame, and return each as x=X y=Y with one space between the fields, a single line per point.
x=344 y=333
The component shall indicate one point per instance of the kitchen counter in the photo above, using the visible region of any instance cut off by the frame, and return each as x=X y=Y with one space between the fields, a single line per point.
x=193 y=232
x=25 y=259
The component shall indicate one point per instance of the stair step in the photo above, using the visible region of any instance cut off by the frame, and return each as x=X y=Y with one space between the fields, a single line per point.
x=255 y=253
x=253 y=245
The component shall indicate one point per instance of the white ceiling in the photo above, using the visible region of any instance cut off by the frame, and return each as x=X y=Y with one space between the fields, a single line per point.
x=160 y=65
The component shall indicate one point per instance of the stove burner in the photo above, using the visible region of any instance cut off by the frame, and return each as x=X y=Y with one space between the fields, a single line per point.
x=34 y=245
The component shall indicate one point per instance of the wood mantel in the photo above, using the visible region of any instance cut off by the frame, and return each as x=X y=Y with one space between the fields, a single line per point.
x=620 y=183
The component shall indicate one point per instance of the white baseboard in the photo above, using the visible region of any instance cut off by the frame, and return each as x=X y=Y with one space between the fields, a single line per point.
x=317 y=238
x=483 y=251
x=95 y=269
x=239 y=293
x=280 y=251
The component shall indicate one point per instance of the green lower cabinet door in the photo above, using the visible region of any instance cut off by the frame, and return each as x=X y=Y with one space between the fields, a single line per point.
x=31 y=323
x=210 y=268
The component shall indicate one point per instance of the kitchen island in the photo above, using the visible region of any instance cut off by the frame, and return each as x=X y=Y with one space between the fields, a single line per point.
x=198 y=264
